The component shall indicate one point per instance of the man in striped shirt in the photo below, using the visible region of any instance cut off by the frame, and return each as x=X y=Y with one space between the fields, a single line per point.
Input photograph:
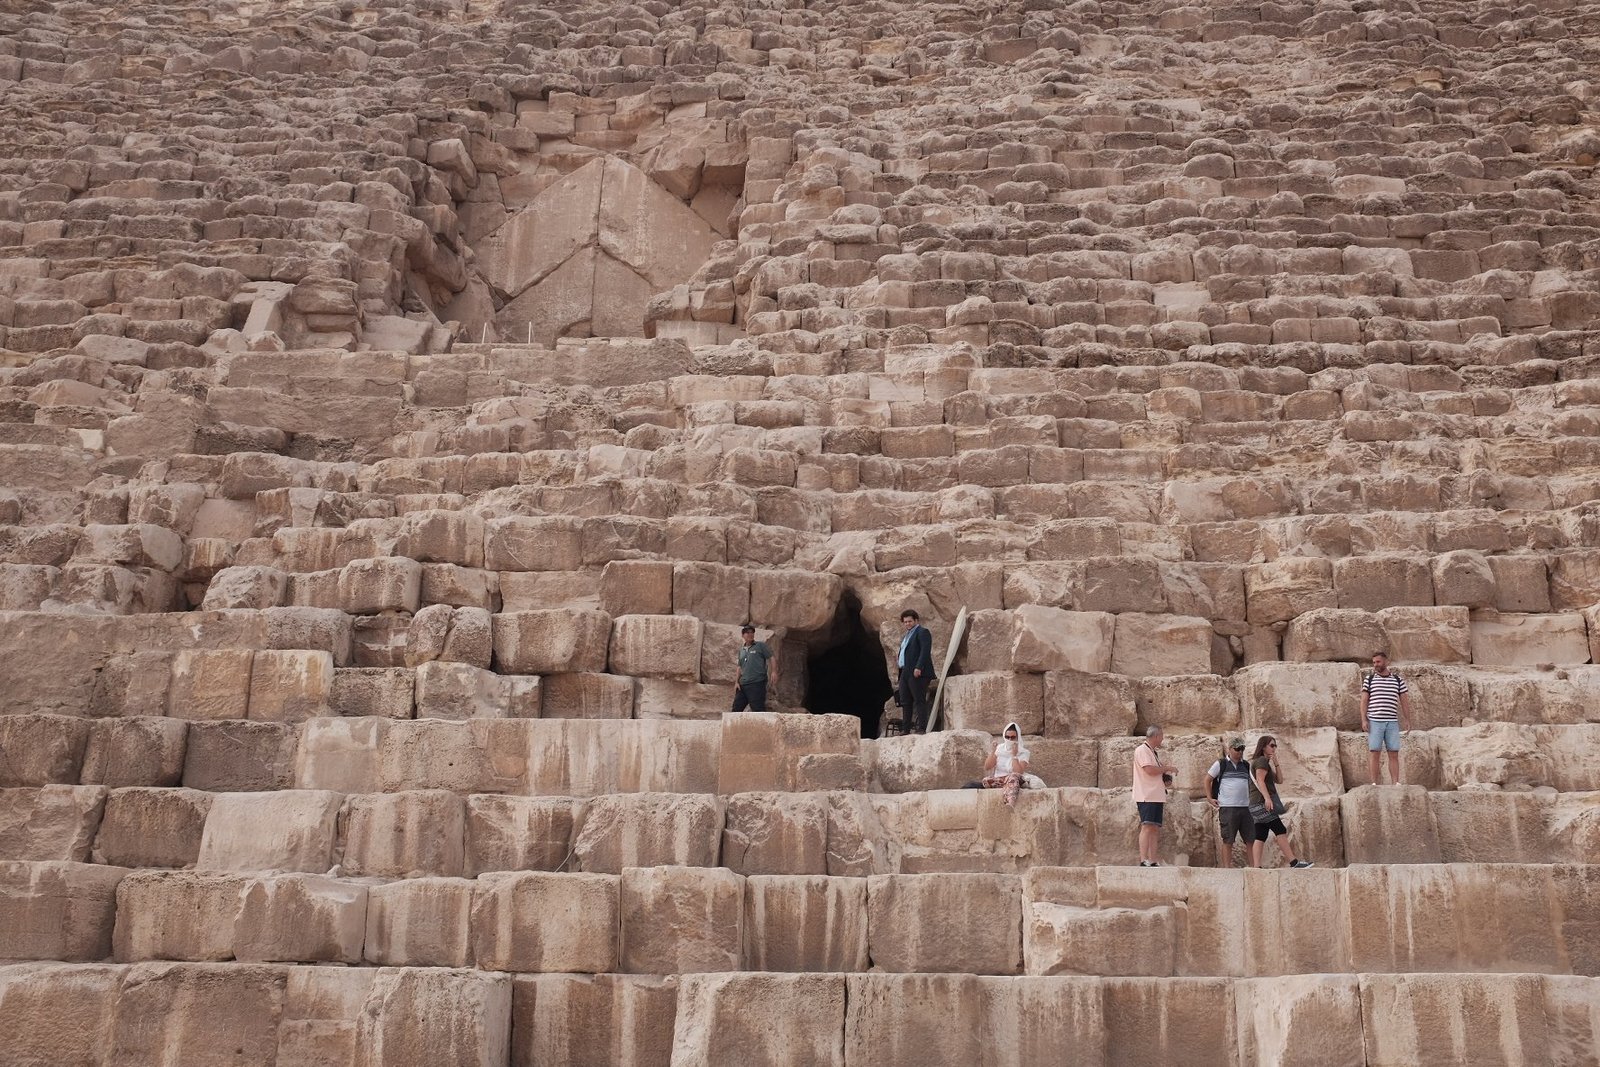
x=1385 y=711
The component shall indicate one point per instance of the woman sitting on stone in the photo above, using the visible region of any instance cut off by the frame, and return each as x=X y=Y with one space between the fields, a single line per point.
x=1006 y=768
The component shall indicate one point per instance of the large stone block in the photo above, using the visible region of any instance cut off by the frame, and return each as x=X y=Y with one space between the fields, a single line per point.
x=386 y=692
x=1529 y=640
x=1369 y=814
x=586 y=696
x=794 y=600
x=776 y=833
x=52 y=822
x=289 y=830
x=1147 y=645
x=519 y=833
x=711 y=591
x=1371 y=582
x=1302 y=1020
x=636 y=587
x=1087 y=705
x=172 y=1013
x=1273 y=695
x=600 y=1020
x=1198 y=701
x=542 y=922
x=42 y=749
x=1333 y=634
x=533 y=543
x=1438 y=1019
x=405 y=834
x=462 y=691
x=135 y=751
x=420 y=922
x=979 y=927
x=648 y=829
x=178 y=915
x=1278 y=591
x=1050 y=639
x=761 y=1019
x=301 y=918
x=805 y=923
x=240 y=756
x=290 y=686
x=57 y=911
x=56 y=1014
x=147 y=827
x=786 y=753
x=210 y=685
x=551 y=642
x=988 y=701
x=660 y=646
x=681 y=920
x=420 y=1015
x=1426 y=635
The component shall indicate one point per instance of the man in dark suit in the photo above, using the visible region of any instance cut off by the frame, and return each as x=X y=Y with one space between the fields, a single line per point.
x=916 y=672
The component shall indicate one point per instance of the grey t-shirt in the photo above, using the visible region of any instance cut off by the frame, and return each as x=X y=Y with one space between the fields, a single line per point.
x=753 y=662
x=1233 y=788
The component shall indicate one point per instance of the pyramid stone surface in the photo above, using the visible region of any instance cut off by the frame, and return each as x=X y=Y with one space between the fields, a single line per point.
x=402 y=408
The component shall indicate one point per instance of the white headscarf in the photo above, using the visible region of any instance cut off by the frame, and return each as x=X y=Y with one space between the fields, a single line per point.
x=1021 y=754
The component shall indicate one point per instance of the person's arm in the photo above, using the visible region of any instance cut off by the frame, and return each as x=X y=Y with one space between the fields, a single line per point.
x=924 y=651
x=1154 y=767
x=1210 y=793
x=988 y=764
x=1261 y=784
x=772 y=667
x=1365 y=698
x=1405 y=711
x=1019 y=766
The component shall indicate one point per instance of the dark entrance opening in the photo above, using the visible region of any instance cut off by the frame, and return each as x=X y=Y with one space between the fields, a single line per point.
x=845 y=671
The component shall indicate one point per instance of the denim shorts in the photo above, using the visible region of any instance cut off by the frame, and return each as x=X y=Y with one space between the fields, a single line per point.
x=1383 y=733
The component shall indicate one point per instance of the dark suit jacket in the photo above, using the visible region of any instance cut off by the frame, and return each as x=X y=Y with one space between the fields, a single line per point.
x=919 y=653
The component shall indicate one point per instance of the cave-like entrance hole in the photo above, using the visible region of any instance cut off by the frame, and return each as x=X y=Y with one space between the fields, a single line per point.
x=845 y=670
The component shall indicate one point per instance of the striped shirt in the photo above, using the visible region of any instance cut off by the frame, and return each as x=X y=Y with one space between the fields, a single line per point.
x=1383 y=696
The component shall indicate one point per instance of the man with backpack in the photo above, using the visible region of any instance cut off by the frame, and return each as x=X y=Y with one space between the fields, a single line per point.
x=1385 y=711
x=1228 y=783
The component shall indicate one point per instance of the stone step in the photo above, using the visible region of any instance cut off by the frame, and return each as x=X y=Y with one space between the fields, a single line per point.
x=390 y=1016
x=428 y=828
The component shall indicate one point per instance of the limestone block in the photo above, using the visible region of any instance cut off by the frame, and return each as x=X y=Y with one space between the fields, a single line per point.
x=1369 y=814
x=57 y=911
x=379 y=584
x=942 y=759
x=240 y=757
x=1276 y=941
x=711 y=591
x=1371 y=582
x=1065 y=761
x=149 y=827
x=246 y=587
x=476 y=756
x=1528 y=640
x=1464 y=577
x=290 y=830
x=1198 y=701
x=420 y=922
x=979 y=930
x=538 y=922
x=1333 y=634
x=1437 y=1019
x=990 y=700
x=1522 y=583
x=51 y=822
x=290 y=686
x=57 y=1013
x=462 y=691
x=133 y=685
x=320 y=1010
x=805 y=923
x=648 y=829
x=1147 y=645
x=419 y=1015
x=171 y=1013
x=600 y=1020
x=582 y=695
x=665 y=698
x=1273 y=695
x=460 y=587
x=760 y=1019
x=681 y=920
x=1426 y=635
x=662 y=646
x=776 y=833
x=405 y=834
x=793 y=599
x=767 y=750
x=1087 y=705
x=636 y=587
x=1574 y=578
x=42 y=749
x=386 y=692
x=1278 y=591
x=551 y=642
x=1525 y=830
x=135 y=751
x=301 y=918
x=178 y=915
x=1050 y=639
x=1312 y=1019
x=210 y=685
x=340 y=754
x=519 y=833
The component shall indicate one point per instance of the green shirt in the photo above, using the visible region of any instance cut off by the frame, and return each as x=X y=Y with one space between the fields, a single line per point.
x=753 y=662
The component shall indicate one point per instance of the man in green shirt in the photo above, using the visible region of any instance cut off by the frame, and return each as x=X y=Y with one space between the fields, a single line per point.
x=757 y=667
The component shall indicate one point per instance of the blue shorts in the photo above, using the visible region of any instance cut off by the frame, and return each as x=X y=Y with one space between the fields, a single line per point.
x=1149 y=812
x=1382 y=734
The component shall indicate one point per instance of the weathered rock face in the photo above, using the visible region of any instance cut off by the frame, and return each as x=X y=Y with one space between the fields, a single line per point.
x=403 y=408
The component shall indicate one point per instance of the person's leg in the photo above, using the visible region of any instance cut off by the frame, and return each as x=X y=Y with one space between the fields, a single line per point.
x=1224 y=852
x=1147 y=842
x=924 y=707
x=908 y=715
x=1374 y=744
x=756 y=693
x=1258 y=843
x=1284 y=847
x=1393 y=740
x=740 y=699
x=1374 y=765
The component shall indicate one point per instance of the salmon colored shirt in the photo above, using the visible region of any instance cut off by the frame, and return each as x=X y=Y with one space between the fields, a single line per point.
x=1147 y=788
